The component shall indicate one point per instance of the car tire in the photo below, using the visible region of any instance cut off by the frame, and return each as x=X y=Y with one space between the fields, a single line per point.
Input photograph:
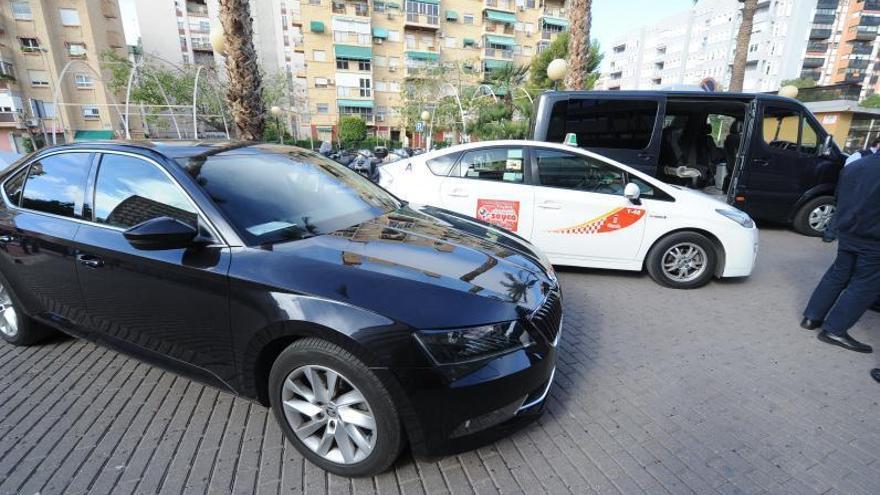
x=684 y=260
x=16 y=327
x=814 y=215
x=352 y=450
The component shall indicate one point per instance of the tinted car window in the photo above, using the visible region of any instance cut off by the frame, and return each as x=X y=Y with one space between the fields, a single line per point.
x=781 y=128
x=570 y=171
x=288 y=195
x=501 y=164
x=130 y=191
x=442 y=164
x=55 y=184
x=600 y=123
x=14 y=186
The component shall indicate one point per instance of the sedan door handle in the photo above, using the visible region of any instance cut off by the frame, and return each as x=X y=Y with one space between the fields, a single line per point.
x=458 y=193
x=550 y=205
x=90 y=261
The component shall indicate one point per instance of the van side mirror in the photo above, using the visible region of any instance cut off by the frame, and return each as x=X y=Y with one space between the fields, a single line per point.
x=826 y=146
x=632 y=193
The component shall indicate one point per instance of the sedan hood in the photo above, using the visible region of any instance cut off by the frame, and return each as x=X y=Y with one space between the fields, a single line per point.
x=422 y=266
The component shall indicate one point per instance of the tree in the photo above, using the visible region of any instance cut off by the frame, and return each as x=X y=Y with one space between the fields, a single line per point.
x=244 y=94
x=743 y=39
x=872 y=101
x=800 y=83
x=538 y=79
x=578 y=44
x=507 y=80
x=352 y=131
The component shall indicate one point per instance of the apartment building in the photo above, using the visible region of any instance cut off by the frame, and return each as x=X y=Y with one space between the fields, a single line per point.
x=50 y=53
x=686 y=48
x=844 y=44
x=359 y=55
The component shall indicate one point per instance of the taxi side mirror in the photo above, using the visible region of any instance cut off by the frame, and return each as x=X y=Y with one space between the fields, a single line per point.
x=632 y=193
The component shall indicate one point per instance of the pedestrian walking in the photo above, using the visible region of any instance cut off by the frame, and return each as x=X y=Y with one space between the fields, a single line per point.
x=870 y=150
x=852 y=284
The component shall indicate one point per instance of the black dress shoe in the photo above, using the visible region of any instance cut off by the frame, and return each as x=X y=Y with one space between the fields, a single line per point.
x=875 y=374
x=844 y=341
x=808 y=324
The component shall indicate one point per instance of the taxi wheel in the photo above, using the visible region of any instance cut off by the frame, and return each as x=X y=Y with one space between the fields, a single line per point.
x=684 y=260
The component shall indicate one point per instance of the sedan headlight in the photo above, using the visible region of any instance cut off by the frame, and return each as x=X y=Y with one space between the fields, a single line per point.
x=470 y=344
x=737 y=216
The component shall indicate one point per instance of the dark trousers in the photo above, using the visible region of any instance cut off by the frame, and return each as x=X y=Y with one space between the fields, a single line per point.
x=849 y=287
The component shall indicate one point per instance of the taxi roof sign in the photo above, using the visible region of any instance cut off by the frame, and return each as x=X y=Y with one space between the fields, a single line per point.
x=571 y=139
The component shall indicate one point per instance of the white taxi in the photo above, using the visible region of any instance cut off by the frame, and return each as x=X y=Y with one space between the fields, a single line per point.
x=583 y=209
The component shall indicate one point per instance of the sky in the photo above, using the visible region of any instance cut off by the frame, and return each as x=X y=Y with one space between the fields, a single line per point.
x=610 y=17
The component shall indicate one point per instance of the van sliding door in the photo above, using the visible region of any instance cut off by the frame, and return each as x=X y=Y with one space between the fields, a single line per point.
x=625 y=128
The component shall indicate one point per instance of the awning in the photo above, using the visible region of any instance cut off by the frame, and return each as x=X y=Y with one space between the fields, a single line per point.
x=451 y=15
x=496 y=64
x=354 y=103
x=469 y=42
x=555 y=21
x=500 y=40
x=93 y=135
x=423 y=56
x=353 y=52
x=435 y=2
x=392 y=5
x=499 y=16
x=380 y=33
x=316 y=27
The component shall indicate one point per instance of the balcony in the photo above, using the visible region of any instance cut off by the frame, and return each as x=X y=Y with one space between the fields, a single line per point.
x=862 y=49
x=197 y=9
x=864 y=32
x=871 y=5
x=422 y=21
x=817 y=47
x=820 y=34
x=501 y=53
x=860 y=64
x=201 y=46
x=811 y=74
x=506 y=5
x=813 y=62
x=494 y=27
x=824 y=19
x=354 y=92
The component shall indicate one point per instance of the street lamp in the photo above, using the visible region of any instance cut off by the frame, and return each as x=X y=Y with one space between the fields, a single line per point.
x=556 y=71
x=277 y=111
x=425 y=116
x=218 y=39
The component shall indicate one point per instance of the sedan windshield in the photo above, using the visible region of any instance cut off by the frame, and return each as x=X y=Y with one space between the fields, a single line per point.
x=287 y=194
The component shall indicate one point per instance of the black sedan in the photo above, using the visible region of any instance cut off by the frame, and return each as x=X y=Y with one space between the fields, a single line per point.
x=274 y=273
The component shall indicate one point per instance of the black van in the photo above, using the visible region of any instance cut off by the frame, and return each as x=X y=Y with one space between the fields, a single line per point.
x=766 y=154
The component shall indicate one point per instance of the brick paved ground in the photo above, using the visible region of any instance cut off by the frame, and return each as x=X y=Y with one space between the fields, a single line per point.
x=708 y=391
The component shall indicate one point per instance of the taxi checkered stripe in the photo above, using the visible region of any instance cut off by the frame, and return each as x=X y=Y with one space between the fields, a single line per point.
x=589 y=227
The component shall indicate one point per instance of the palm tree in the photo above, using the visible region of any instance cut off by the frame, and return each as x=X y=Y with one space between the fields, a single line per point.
x=578 y=44
x=508 y=79
x=743 y=37
x=245 y=93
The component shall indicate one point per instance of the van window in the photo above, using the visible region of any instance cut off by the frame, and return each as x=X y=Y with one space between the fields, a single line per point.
x=809 y=137
x=600 y=123
x=787 y=129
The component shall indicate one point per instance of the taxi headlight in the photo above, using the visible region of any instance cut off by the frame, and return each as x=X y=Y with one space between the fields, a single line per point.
x=469 y=344
x=737 y=216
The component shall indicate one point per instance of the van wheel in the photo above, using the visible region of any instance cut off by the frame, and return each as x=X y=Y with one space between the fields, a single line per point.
x=16 y=327
x=813 y=218
x=334 y=410
x=685 y=260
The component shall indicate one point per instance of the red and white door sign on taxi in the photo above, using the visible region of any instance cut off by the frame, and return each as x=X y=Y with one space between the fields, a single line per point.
x=502 y=213
x=582 y=209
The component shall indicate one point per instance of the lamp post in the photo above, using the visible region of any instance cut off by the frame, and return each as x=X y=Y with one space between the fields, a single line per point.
x=556 y=71
x=276 y=111
x=425 y=115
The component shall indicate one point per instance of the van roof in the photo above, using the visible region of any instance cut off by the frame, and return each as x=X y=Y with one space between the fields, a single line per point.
x=716 y=95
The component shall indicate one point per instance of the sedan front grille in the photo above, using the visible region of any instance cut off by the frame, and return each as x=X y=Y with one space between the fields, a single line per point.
x=548 y=317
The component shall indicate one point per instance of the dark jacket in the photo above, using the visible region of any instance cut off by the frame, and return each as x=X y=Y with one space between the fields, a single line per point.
x=858 y=201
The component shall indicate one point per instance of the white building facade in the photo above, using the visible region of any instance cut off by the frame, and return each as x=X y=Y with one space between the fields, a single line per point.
x=686 y=48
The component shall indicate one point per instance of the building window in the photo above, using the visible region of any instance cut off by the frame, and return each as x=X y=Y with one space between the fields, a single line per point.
x=314 y=2
x=364 y=65
x=91 y=112
x=320 y=82
x=7 y=70
x=21 y=11
x=319 y=55
x=69 y=17
x=76 y=49
x=29 y=44
x=393 y=35
x=341 y=64
x=322 y=108
x=365 y=88
x=84 y=81
x=39 y=77
x=468 y=18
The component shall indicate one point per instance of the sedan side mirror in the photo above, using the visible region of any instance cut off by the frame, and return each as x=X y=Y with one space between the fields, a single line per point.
x=161 y=233
x=632 y=191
